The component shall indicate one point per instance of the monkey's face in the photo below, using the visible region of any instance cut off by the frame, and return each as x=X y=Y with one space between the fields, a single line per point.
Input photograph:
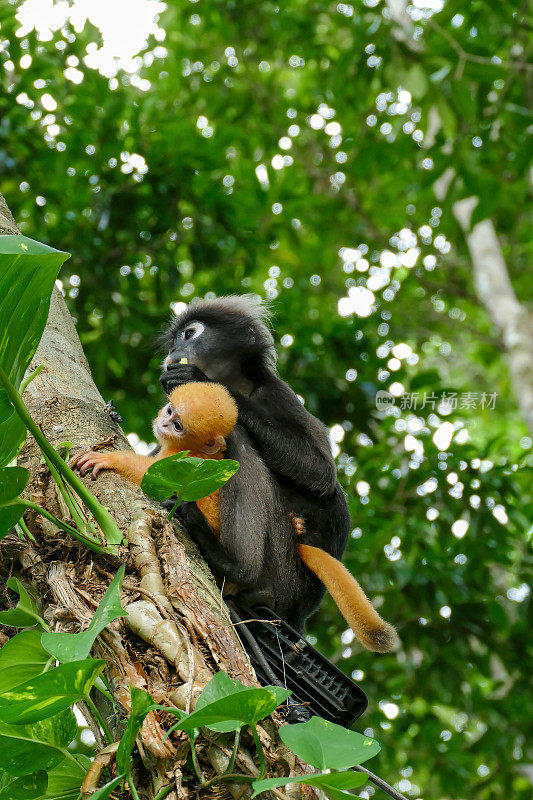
x=198 y=416
x=168 y=425
x=215 y=348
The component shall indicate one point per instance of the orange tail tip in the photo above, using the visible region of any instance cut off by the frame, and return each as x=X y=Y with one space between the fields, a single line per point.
x=372 y=631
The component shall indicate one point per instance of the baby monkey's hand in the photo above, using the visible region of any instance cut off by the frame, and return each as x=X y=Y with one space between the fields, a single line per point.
x=95 y=462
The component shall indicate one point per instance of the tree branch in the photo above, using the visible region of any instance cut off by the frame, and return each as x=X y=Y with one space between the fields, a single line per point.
x=494 y=288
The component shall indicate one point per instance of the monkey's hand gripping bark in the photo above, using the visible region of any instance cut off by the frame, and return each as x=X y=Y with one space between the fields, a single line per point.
x=129 y=465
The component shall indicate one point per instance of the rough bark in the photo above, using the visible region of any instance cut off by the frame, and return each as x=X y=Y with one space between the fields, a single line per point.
x=178 y=632
x=512 y=318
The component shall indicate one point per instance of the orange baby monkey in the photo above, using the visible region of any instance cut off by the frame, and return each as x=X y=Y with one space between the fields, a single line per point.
x=197 y=418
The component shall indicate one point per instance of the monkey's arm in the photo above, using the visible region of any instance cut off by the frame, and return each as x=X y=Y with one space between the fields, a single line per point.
x=291 y=441
x=221 y=560
x=179 y=374
x=129 y=465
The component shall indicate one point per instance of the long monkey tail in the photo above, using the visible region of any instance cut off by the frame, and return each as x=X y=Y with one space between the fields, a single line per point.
x=372 y=631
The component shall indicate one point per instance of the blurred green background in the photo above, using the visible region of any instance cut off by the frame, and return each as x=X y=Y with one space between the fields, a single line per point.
x=292 y=150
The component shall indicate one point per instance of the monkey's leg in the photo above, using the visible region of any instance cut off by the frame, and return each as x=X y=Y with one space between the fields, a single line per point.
x=214 y=552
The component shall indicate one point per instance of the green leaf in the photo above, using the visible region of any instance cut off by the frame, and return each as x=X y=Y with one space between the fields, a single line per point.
x=64 y=781
x=27 y=748
x=104 y=791
x=220 y=685
x=189 y=477
x=77 y=646
x=325 y=745
x=25 y=614
x=28 y=270
x=333 y=784
x=50 y=693
x=13 y=481
x=245 y=707
x=141 y=703
x=463 y=100
x=12 y=431
x=22 y=658
x=448 y=119
x=9 y=516
x=26 y=788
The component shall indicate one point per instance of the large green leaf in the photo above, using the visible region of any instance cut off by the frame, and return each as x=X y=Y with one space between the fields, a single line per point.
x=141 y=703
x=28 y=270
x=64 y=781
x=77 y=646
x=22 y=658
x=30 y=787
x=9 y=516
x=13 y=481
x=220 y=686
x=189 y=477
x=27 y=748
x=25 y=614
x=12 y=431
x=333 y=784
x=242 y=708
x=325 y=745
x=50 y=693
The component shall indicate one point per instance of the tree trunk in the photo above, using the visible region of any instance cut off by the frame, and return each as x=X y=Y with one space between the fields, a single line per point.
x=513 y=319
x=178 y=632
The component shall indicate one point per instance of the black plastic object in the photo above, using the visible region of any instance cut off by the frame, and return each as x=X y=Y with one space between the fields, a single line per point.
x=315 y=682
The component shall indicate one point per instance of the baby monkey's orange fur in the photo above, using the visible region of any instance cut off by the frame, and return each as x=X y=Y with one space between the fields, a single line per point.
x=205 y=414
x=197 y=418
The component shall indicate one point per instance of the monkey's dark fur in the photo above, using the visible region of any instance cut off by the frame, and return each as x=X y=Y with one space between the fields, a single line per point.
x=284 y=453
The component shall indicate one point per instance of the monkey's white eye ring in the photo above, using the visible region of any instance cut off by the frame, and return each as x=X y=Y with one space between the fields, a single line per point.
x=192 y=330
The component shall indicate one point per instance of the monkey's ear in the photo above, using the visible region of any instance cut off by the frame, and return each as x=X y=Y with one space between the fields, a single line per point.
x=215 y=445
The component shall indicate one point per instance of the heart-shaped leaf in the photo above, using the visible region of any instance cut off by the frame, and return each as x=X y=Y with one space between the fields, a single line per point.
x=189 y=477
x=28 y=270
x=77 y=646
x=12 y=431
x=220 y=685
x=64 y=781
x=141 y=704
x=27 y=748
x=325 y=745
x=22 y=658
x=245 y=707
x=13 y=481
x=50 y=693
x=30 y=787
x=333 y=784
x=25 y=614
x=9 y=516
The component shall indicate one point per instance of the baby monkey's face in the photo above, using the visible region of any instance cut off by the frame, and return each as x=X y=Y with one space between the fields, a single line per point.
x=168 y=424
x=197 y=416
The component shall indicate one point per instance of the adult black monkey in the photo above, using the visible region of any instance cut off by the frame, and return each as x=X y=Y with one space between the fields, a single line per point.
x=227 y=340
